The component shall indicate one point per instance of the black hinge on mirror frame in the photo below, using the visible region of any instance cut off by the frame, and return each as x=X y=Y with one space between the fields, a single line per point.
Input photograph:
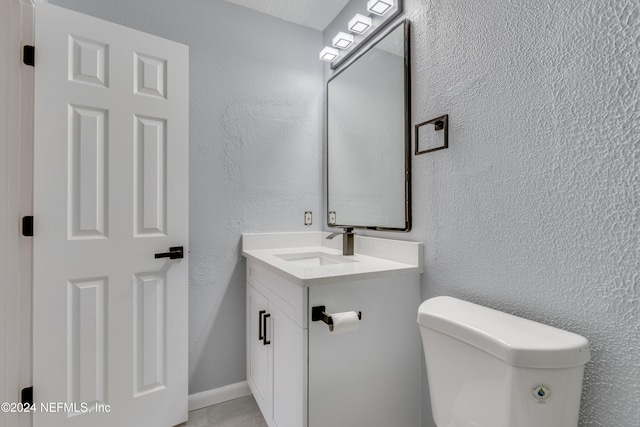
x=27 y=226
x=26 y=396
x=29 y=55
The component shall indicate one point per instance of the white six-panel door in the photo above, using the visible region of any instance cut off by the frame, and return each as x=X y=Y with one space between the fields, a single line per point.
x=110 y=191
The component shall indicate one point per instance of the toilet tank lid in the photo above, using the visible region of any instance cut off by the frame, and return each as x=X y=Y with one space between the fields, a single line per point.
x=517 y=341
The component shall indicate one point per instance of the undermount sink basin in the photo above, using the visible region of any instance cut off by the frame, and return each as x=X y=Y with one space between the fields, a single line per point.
x=315 y=258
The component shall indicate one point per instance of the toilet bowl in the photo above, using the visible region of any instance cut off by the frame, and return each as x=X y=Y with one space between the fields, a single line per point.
x=487 y=368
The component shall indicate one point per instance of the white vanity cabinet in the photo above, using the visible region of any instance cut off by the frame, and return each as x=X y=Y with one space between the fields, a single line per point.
x=276 y=347
x=303 y=375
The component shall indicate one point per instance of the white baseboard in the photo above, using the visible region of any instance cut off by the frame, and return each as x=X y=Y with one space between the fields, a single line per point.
x=218 y=395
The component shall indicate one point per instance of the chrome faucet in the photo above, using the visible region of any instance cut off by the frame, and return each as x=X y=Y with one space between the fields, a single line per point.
x=347 y=240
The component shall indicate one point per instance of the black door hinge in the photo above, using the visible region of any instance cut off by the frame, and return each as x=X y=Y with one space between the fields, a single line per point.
x=29 y=55
x=27 y=396
x=27 y=226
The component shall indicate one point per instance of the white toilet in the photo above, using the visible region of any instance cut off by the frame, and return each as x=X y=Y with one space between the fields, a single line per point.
x=492 y=369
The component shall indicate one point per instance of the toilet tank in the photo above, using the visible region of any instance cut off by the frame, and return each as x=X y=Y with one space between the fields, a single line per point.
x=487 y=368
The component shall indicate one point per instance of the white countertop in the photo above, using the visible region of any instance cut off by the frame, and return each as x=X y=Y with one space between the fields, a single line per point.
x=373 y=258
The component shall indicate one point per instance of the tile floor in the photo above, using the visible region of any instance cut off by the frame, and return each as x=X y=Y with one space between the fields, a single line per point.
x=241 y=412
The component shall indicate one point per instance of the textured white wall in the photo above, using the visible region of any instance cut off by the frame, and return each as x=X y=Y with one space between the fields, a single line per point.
x=535 y=207
x=255 y=152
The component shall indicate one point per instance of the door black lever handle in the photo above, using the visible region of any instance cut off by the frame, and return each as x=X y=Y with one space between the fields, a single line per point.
x=175 y=252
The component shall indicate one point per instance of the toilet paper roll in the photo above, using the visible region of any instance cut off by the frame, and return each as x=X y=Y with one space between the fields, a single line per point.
x=344 y=322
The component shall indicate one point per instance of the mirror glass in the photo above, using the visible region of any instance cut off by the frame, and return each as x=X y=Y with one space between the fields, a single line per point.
x=368 y=140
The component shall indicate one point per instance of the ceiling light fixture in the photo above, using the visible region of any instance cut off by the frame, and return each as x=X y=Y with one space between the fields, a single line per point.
x=329 y=54
x=342 y=40
x=379 y=7
x=359 y=24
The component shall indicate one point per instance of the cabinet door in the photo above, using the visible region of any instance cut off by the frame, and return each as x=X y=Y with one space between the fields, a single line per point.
x=259 y=372
x=289 y=370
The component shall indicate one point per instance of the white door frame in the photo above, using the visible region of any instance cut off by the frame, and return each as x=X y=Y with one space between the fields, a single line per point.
x=16 y=201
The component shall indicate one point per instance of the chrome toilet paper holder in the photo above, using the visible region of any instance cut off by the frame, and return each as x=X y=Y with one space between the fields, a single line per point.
x=318 y=314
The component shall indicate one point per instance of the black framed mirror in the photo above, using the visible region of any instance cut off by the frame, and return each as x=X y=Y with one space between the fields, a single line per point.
x=368 y=137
